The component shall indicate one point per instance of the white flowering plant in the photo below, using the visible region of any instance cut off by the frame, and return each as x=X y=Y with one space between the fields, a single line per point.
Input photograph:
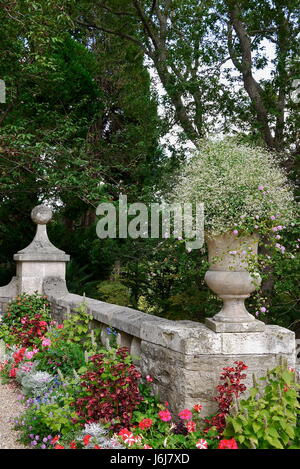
x=243 y=189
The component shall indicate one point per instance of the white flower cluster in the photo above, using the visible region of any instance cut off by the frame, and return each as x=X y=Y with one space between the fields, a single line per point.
x=235 y=182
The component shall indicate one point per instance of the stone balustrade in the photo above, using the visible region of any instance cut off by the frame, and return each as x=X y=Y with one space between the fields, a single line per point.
x=184 y=358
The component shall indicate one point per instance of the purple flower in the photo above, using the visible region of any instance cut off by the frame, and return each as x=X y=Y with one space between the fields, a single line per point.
x=273 y=217
x=31 y=436
x=43 y=446
x=278 y=237
x=263 y=309
x=232 y=252
x=260 y=188
x=235 y=232
x=33 y=443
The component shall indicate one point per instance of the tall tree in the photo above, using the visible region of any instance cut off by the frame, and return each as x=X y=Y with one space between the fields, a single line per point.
x=189 y=43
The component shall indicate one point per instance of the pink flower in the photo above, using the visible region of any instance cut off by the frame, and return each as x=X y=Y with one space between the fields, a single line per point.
x=202 y=444
x=263 y=309
x=46 y=342
x=149 y=379
x=164 y=415
x=235 y=232
x=147 y=447
x=60 y=326
x=29 y=354
x=260 y=188
x=273 y=217
x=185 y=414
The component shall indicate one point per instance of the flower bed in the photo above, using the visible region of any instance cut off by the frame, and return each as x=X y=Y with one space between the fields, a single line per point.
x=79 y=395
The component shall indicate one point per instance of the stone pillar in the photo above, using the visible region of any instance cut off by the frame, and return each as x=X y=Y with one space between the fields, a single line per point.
x=41 y=258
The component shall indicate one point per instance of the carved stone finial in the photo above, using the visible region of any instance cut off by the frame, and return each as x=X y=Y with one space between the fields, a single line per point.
x=41 y=214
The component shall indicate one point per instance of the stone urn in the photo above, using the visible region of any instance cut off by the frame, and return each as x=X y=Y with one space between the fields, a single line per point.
x=230 y=278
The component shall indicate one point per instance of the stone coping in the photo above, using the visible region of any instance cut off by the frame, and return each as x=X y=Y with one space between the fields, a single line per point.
x=187 y=337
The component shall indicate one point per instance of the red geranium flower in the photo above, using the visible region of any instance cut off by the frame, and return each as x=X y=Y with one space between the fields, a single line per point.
x=228 y=444
x=145 y=423
x=86 y=439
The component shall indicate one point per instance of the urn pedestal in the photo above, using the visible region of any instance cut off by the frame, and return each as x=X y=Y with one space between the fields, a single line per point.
x=229 y=277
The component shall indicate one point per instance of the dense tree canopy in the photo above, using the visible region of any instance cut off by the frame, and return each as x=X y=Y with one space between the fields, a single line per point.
x=93 y=87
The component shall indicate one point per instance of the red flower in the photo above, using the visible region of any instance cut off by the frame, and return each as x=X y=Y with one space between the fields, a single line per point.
x=55 y=439
x=149 y=379
x=124 y=431
x=86 y=439
x=185 y=414
x=197 y=408
x=73 y=445
x=145 y=423
x=59 y=447
x=12 y=373
x=228 y=444
x=191 y=426
x=97 y=447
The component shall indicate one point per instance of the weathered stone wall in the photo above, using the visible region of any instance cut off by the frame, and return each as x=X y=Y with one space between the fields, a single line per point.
x=185 y=358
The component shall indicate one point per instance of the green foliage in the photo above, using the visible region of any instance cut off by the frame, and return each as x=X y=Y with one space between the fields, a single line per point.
x=26 y=305
x=268 y=418
x=65 y=356
x=76 y=330
x=114 y=292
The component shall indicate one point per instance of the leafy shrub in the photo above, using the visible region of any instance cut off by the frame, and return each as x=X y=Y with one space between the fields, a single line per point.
x=111 y=391
x=76 y=329
x=229 y=388
x=268 y=418
x=27 y=318
x=114 y=292
x=65 y=356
